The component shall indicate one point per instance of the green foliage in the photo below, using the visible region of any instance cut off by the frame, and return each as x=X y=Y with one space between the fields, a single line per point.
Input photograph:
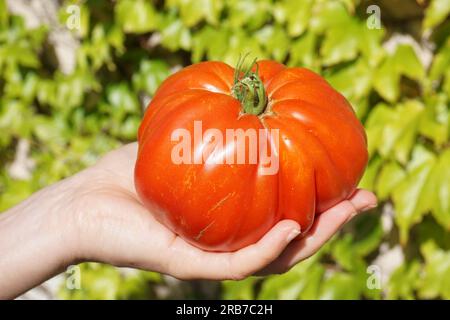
x=127 y=48
x=102 y=282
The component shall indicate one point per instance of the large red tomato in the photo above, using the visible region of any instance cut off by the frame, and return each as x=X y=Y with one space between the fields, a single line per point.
x=321 y=152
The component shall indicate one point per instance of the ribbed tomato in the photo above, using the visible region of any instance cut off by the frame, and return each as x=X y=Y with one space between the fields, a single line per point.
x=321 y=152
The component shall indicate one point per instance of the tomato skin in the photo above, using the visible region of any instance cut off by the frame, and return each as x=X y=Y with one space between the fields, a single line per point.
x=224 y=207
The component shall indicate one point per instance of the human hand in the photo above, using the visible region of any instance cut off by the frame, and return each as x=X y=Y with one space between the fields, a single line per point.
x=119 y=230
x=96 y=215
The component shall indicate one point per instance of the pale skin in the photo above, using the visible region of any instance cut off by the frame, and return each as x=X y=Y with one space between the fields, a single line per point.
x=96 y=215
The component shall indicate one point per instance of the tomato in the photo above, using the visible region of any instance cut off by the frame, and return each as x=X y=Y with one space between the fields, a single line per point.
x=321 y=152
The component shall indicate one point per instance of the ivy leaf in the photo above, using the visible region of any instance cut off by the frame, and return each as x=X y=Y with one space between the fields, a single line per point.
x=239 y=290
x=435 y=121
x=136 y=16
x=122 y=100
x=436 y=13
x=435 y=282
x=371 y=173
x=250 y=13
x=3 y=14
x=408 y=117
x=328 y=15
x=275 y=41
x=240 y=42
x=193 y=11
x=387 y=80
x=335 y=287
x=302 y=280
x=370 y=45
x=174 y=34
x=403 y=281
x=380 y=116
x=13 y=192
x=368 y=235
x=390 y=176
x=340 y=44
x=353 y=81
x=441 y=62
x=211 y=41
x=408 y=63
x=393 y=131
x=345 y=255
x=403 y=62
x=413 y=196
x=150 y=75
x=295 y=14
x=441 y=194
x=303 y=52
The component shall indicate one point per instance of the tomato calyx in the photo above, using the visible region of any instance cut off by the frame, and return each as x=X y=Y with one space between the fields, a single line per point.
x=248 y=88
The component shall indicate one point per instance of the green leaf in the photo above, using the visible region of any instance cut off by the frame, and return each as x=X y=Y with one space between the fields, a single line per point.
x=386 y=80
x=380 y=116
x=328 y=15
x=441 y=194
x=407 y=62
x=150 y=75
x=193 y=11
x=303 y=280
x=14 y=191
x=211 y=41
x=368 y=234
x=121 y=98
x=239 y=290
x=336 y=287
x=390 y=176
x=370 y=41
x=435 y=282
x=403 y=281
x=3 y=14
x=251 y=13
x=441 y=62
x=345 y=255
x=408 y=115
x=303 y=52
x=340 y=44
x=175 y=35
x=393 y=131
x=435 y=121
x=436 y=13
x=275 y=41
x=371 y=173
x=136 y=16
x=413 y=196
x=402 y=62
x=353 y=81
x=239 y=43
x=295 y=14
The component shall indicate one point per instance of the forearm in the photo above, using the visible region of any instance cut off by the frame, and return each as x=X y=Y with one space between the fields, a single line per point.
x=35 y=241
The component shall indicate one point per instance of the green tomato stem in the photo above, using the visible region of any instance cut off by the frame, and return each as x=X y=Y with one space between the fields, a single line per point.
x=249 y=90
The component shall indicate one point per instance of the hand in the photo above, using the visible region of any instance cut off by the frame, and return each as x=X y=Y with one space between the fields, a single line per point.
x=120 y=231
x=96 y=215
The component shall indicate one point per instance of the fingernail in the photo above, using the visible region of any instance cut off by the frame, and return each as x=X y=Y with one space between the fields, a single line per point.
x=370 y=206
x=294 y=233
x=366 y=208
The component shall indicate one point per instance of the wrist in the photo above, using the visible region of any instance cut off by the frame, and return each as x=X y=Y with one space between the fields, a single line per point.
x=61 y=218
x=36 y=239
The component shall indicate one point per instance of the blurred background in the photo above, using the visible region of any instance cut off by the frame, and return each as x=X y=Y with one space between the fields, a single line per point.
x=75 y=77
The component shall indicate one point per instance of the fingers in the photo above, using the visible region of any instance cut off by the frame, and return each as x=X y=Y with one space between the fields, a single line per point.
x=192 y=263
x=325 y=226
x=253 y=258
